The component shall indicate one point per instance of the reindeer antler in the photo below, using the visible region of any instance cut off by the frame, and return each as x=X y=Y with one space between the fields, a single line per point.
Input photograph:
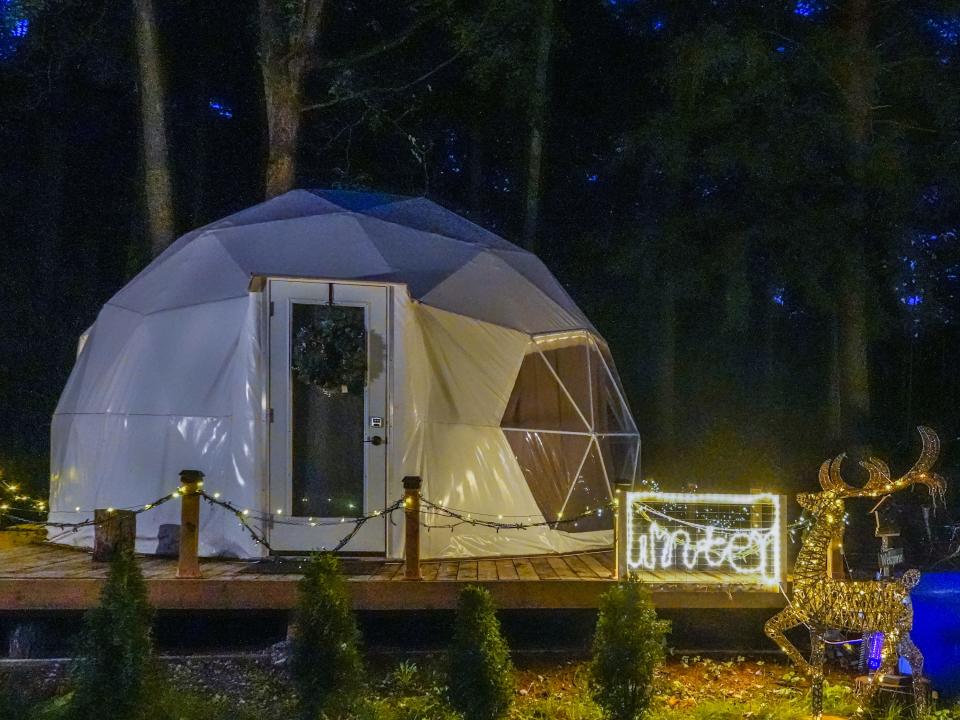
x=879 y=481
x=830 y=478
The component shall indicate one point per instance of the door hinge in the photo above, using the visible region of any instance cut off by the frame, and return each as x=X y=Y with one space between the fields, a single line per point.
x=270 y=415
x=271 y=308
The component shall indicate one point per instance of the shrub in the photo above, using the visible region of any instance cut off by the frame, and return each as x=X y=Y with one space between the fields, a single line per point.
x=627 y=648
x=480 y=674
x=114 y=661
x=325 y=662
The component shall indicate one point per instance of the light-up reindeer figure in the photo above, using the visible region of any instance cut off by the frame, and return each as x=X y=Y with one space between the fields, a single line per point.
x=863 y=607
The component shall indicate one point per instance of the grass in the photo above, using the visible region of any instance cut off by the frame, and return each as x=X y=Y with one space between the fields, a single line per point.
x=687 y=689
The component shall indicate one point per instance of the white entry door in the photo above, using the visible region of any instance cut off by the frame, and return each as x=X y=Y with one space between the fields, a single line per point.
x=327 y=451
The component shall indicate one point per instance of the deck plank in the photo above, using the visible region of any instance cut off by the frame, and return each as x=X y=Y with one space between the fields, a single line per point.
x=580 y=568
x=467 y=570
x=543 y=569
x=429 y=571
x=559 y=565
x=487 y=570
x=599 y=569
x=53 y=578
x=525 y=569
x=506 y=570
x=448 y=570
x=605 y=559
x=387 y=571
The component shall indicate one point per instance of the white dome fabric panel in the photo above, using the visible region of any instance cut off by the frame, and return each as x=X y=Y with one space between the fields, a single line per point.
x=172 y=374
x=445 y=260
x=151 y=396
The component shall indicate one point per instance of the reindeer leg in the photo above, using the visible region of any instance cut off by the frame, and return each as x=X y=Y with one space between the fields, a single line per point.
x=912 y=653
x=891 y=642
x=774 y=627
x=816 y=662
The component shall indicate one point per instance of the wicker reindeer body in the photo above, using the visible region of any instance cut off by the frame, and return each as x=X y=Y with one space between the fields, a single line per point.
x=862 y=607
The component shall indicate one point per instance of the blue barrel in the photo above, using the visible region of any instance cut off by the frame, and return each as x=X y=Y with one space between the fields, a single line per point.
x=936 y=629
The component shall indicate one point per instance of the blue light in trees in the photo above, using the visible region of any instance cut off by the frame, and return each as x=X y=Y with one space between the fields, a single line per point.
x=781 y=49
x=502 y=182
x=912 y=300
x=778 y=296
x=931 y=195
x=14 y=27
x=592 y=178
x=221 y=108
x=453 y=163
x=946 y=33
x=807 y=8
x=947 y=30
x=451 y=159
x=657 y=25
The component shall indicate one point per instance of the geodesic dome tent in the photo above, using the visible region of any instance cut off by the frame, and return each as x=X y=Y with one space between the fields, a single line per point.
x=483 y=378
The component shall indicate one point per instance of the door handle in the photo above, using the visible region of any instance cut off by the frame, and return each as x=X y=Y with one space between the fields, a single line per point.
x=375 y=440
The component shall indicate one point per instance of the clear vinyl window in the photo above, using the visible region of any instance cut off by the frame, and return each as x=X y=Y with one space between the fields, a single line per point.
x=568 y=425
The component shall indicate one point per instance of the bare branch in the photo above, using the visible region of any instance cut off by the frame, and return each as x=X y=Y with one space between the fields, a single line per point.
x=362 y=94
x=378 y=49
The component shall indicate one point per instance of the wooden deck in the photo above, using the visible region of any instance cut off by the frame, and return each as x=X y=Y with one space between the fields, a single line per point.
x=49 y=577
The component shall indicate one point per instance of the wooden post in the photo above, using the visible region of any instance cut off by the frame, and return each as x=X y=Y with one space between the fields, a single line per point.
x=113 y=531
x=188 y=565
x=620 y=520
x=411 y=516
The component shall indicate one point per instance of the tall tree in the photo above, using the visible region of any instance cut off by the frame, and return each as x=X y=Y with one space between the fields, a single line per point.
x=510 y=46
x=155 y=153
x=288 y=36
x=538 y=102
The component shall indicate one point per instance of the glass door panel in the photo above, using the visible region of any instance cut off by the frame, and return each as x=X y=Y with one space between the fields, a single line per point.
x=327 y=445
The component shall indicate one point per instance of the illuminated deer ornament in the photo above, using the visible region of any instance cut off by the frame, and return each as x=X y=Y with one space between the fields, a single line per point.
x=820 y=602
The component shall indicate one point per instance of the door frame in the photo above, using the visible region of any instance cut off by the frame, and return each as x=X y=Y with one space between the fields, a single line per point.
x=263 y=284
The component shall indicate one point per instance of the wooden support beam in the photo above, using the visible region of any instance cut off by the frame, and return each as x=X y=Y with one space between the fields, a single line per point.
x=411 y=515
x=188 y=563
x=113 y=531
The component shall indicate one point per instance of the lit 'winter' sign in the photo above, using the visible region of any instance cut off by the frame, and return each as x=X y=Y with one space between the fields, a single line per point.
x=707 y=538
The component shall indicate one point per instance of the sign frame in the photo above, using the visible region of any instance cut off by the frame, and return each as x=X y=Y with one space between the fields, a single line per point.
x=771 y=578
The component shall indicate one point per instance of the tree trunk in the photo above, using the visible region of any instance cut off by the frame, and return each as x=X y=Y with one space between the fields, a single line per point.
x=539 y=100
x=665 y=381
x=283 y=131
x=158 y=192
x=288 y=33
x=859 y=80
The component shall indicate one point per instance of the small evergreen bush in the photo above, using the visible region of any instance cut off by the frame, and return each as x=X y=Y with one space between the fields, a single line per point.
x=480 y=674
x=326 y=664
x=114 y=662
x=627 y=648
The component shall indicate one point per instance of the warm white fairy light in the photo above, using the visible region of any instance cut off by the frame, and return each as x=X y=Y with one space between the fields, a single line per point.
x=650 y=546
